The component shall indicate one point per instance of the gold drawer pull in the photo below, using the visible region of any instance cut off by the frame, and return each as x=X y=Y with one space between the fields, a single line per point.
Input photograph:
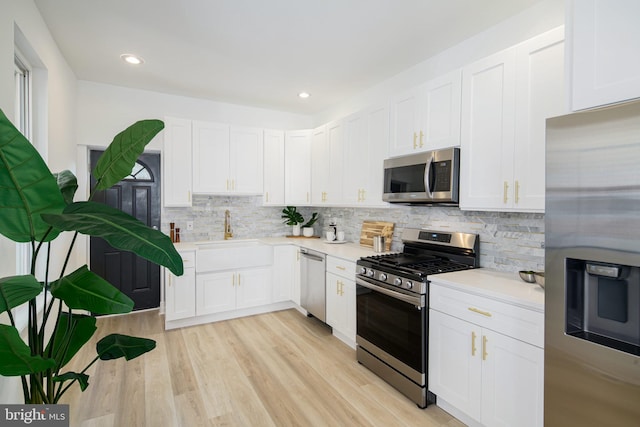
x=415 y=138
x=484 y=347
x=473 y=343
x=476 y=310
x=339 y=267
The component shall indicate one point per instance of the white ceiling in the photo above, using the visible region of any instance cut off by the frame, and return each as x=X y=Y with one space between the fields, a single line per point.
x=262 y=52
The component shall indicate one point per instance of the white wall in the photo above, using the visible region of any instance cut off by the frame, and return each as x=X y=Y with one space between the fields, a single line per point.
x=56 y=138
x=104 y=110
x=539 y=18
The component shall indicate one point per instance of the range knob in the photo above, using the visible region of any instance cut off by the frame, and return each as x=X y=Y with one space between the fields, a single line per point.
x=370 y=272
x=382 y=277
x=363 y=270
x=397 y=281
x=408 y=284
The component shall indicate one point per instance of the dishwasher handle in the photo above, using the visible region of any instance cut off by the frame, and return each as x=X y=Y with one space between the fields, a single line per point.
x=311 y=257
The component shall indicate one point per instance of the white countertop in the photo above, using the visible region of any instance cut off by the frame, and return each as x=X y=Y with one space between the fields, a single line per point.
x=507 y=287
x=349 y=251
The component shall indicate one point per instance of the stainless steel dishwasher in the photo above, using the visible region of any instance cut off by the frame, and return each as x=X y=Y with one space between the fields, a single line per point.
x=312 y=287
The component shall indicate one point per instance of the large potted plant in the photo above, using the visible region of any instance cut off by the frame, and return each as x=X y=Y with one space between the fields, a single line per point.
x=35 y=207
x=294 y=218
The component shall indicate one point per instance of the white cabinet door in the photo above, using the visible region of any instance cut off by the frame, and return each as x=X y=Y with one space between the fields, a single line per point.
x=405 y=122
x=512 y=382
x=376 y=148
x=284 y=261
x=177 y=163
x=319 y=166
x=215 y=292
x=440 y=113
x=487 y=131
x=211 y=158
x=180 y=295
x=295 y=292
x=605 y=41
x=455 y=362
x=253 y=287
x=335 y=138
x=333 y=302
x=539 y=90
x=246 y=160
x=298 y=167
x=341 y=305
x=273 y=168
x=356 y=164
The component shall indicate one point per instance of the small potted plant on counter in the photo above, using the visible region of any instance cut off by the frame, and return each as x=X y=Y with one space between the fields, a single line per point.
x=292 y=217
x=307 y=229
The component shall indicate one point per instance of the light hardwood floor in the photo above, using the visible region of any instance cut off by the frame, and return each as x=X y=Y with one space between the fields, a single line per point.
x=275 y=369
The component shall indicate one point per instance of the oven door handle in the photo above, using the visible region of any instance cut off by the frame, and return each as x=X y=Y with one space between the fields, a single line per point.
x=417 y=301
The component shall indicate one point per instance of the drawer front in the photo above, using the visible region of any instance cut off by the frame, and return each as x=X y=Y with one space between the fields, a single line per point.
x=188 y=258
x=513 y=321
x=346 y=269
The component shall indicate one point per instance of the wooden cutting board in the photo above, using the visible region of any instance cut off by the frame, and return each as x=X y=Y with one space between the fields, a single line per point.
x=376 y=228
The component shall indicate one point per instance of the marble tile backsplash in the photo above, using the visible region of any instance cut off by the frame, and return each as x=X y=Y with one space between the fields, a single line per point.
x=508 y=241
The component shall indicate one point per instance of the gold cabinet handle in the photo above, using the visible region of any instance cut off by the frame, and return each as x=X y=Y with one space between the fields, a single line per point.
x=415 y=138
x=517 y=197
x=340 y=267
x=363 y=195
x=337 y=287
x=227 y=184
x=233 y=279
x=238 y=279
x=421 y=136
x=267 y=197
x=189 y=195
x=473 y=343
x=484 y=347
x=477 y=310
x=233 y=184
x=170 y=280
x=506 y=189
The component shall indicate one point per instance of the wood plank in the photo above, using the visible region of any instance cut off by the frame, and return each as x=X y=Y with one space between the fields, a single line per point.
x=274 y=369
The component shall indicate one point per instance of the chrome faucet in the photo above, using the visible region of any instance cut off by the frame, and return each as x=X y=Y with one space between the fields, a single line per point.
x=227 y=225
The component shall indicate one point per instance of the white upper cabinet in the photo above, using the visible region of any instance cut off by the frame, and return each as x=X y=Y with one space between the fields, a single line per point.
x=211 y=151
x=427 y=117
x=506 y=99
x=603 y=44
x=176 y=182
x=297 y=167
x=319 y=166
x=366 y=138
x=273 y=168
x=227 y=159
x=246 y=160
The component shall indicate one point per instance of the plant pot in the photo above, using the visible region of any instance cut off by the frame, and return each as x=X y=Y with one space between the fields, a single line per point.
x=296 y=230
x=307 y=231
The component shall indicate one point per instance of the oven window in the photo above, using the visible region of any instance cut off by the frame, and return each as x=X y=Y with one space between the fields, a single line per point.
x=394 y=326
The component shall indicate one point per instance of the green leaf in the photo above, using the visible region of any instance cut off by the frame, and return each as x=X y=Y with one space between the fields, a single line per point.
x=27 y=188
x=83 y=379
x=118 y=159
x=83 y=289
x=69 y=339
x=16 y=290
x=15 y=355
x=68 y=184
x=115 y=346
x=121 y=230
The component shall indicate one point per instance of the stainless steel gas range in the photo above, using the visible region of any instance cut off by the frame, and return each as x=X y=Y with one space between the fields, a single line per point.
x=392 y=299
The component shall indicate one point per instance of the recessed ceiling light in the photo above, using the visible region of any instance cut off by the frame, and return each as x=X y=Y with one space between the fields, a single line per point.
x=304 y=95
x=132 y=59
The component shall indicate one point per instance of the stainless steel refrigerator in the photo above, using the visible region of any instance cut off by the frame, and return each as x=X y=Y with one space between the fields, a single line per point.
x=592 y=295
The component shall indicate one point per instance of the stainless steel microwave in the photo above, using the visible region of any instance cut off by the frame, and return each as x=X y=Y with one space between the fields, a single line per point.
x=431 y=177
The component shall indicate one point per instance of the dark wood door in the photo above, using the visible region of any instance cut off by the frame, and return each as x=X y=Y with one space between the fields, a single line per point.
x=139 y=196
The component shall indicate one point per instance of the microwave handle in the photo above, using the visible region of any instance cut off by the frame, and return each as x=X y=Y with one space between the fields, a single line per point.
x=428 y=177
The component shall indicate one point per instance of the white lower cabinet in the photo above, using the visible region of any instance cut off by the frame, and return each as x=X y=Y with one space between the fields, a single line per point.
x=286 y=273
x=341 y=299
x=180 y=291
x=484 y=376
x=217 y=292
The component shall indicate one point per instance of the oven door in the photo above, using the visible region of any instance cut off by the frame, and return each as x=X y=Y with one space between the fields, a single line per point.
x=392 y=326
